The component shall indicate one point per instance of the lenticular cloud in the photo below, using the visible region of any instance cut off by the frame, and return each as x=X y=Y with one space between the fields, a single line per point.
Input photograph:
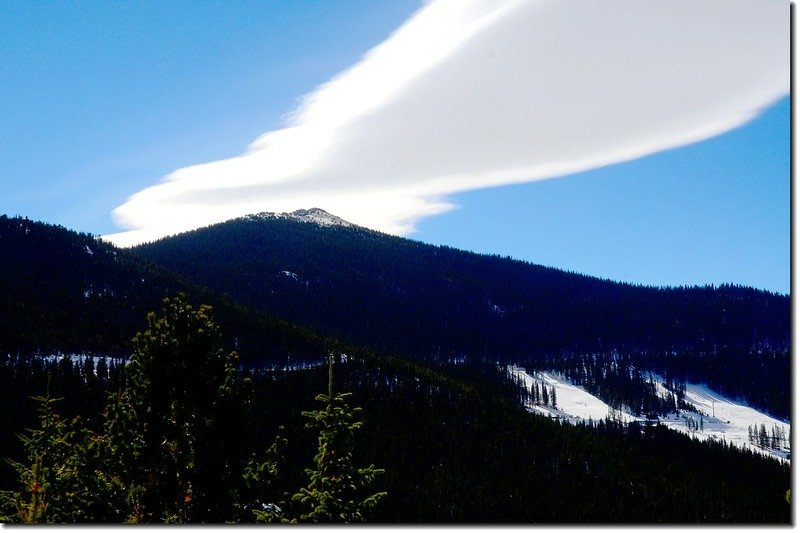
x=470 y=94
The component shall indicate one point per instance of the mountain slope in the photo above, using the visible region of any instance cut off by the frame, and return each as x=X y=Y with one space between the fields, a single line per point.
x=438 y=303
x=343 y=278
x=62 y=291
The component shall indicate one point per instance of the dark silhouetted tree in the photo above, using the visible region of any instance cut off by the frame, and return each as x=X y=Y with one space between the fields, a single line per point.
x=176 y=428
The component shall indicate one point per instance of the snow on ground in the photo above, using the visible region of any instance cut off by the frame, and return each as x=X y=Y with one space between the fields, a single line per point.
x=289 y=274
x=314 y=215
x=572 y=402
x=725 y=419
x=722 y=418
x=77 y=357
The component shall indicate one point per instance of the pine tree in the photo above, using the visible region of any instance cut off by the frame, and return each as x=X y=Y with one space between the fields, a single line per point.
x=102 y=369
x=44 y=447
x=58 y=480
x=335 y=492
x=173 y=431
x=260 y=480
x=763 y=439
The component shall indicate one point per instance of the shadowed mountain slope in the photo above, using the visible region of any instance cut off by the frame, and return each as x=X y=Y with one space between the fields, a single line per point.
x=438 y=303
x=62 y=291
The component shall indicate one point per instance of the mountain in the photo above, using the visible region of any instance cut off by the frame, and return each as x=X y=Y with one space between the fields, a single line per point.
x=437 y=303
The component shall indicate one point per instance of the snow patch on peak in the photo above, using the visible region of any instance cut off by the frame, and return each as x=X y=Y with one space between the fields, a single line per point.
x=318 y=216
x=314 y=215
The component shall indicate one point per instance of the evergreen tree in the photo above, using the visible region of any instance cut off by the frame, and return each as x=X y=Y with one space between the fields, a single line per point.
x=763 y=439
x=335 y=493
x=58 y=479
x=44 y=447
x=175 y=430
x=102 y=369
x=261 y=479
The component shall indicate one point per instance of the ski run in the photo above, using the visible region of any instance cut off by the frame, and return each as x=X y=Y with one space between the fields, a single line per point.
x=717 y=417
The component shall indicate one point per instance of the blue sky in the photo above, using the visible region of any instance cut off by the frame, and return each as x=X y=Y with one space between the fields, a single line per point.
x=99 y=101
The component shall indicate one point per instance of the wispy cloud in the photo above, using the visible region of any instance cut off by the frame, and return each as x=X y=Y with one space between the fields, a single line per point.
x=470 y=94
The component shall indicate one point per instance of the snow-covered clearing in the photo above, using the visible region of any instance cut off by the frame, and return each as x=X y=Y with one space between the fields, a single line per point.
x=722 y=418
x=572 y=402
x=725 y=419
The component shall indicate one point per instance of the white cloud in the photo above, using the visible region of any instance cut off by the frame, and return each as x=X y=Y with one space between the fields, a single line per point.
x=479 y=93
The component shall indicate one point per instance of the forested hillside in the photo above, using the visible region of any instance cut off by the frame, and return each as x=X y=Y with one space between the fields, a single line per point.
x=438 y=303
x=456 y=447
x=420 y=336
x=62 y=291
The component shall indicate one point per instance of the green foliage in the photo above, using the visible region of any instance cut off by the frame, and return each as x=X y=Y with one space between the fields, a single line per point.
x=173 y=430
x=335 y=492
x=61 y=482
x=170 y=449
x=46 y=447
x=262 y=481
x=335 y=484
x=171 y=444
x=457 y=448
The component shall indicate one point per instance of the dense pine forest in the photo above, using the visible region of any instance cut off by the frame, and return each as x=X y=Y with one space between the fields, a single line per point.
x=174 y=411
x=460 y=304
x=67 y=292
x=455 y=447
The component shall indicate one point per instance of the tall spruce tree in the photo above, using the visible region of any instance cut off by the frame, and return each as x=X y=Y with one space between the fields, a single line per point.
x=337 y=489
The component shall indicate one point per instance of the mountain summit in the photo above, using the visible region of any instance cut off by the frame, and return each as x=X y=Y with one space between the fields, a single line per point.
x=314 y=215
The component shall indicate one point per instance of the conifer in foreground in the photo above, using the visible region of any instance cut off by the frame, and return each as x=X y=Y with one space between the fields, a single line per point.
x=337 y=489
